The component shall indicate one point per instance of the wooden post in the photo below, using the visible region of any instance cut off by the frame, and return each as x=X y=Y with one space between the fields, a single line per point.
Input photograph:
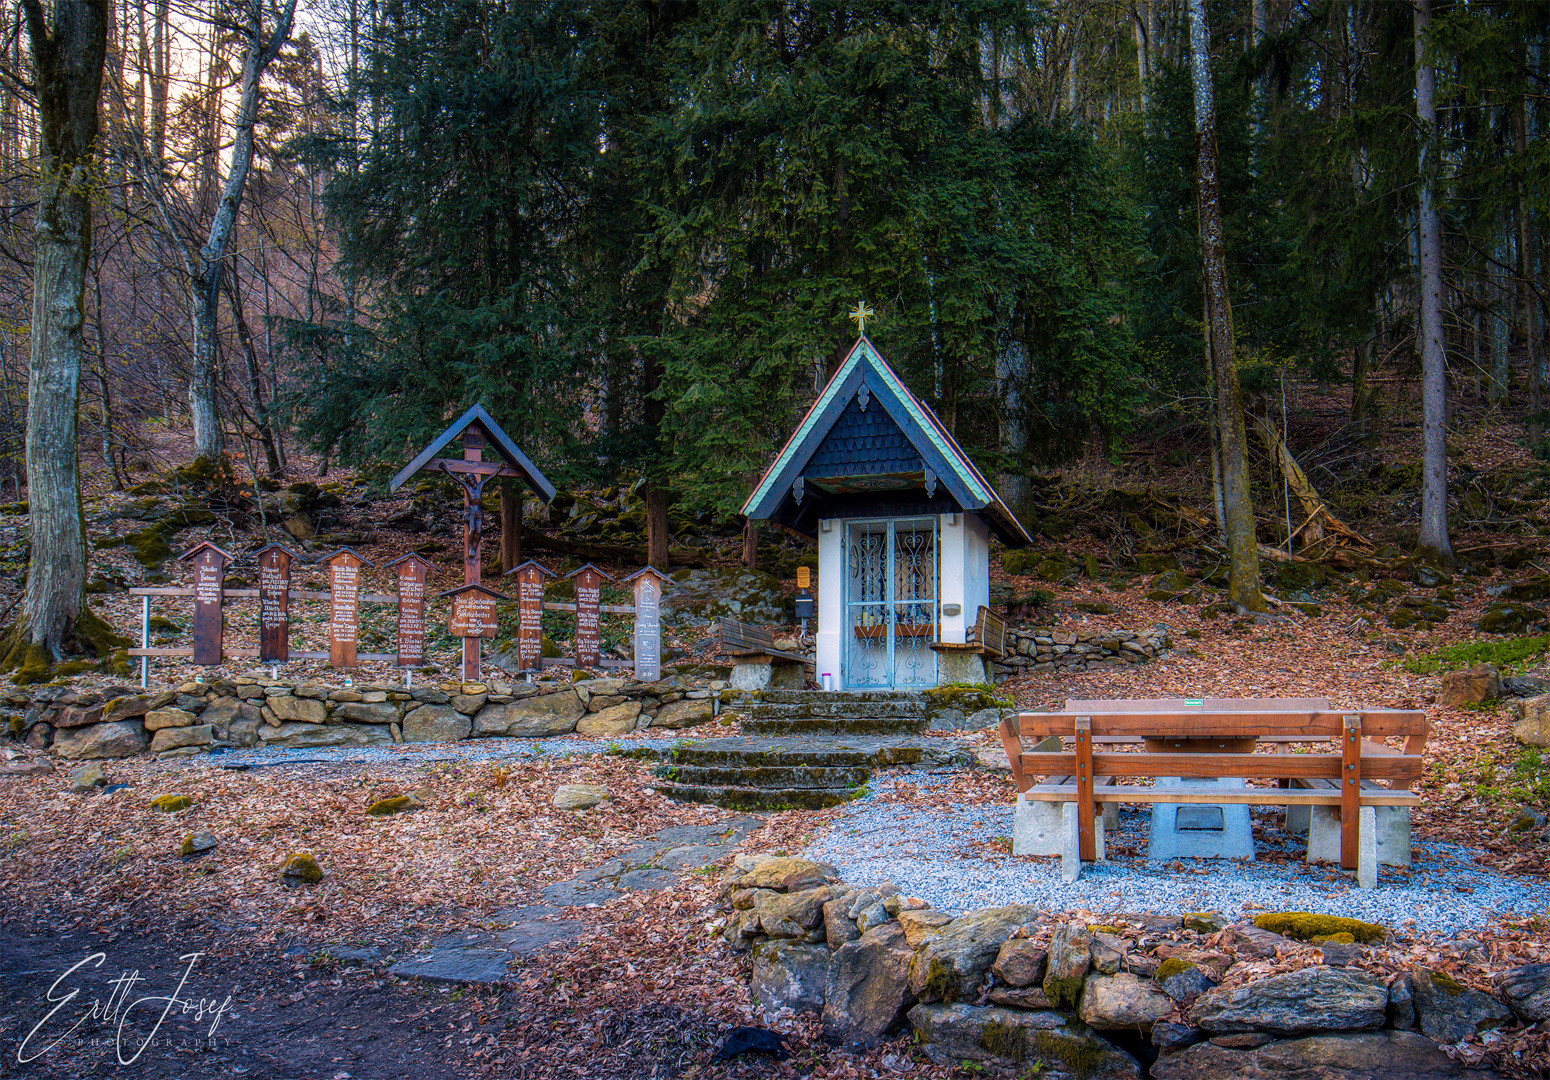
x=1087 y=846
x=274 y=602
x=344 y=584
x=412 y=571
x=473 y=619
x=511 y=526
x=473 y=510
x=1350 y=792
x=530 y=614
x=648 y=623
x=209 y=573
x=589 y=598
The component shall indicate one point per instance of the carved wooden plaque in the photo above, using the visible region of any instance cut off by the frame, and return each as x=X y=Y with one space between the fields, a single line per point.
x=412 y=571
x=209 y=574
x=530 y=615
x=274 y=603
x=344 y=583
x=473 y=613
x=589 y=599
x=648 y=625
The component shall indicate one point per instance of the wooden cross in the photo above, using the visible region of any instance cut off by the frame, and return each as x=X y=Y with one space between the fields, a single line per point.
x=472 y=473
x=209 y=576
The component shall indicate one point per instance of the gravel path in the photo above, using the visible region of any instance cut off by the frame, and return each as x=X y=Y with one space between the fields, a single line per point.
x=415 y=754
x=941 y=856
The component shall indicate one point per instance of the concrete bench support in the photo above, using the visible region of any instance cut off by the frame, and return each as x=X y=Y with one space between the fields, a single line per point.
x=1208 y=831
x=1039 y=826
x=1390 y=834
x=1071 y=843
x=765 y=674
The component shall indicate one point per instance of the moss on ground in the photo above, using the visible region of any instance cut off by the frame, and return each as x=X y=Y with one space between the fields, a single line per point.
x=303 y=867
x=1171 y=967
x=1502 y=654
x=1081 y=1057
x=395 y=805
x=1305 y=926
x=171 y=804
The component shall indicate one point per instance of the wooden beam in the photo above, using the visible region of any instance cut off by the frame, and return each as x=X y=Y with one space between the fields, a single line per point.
x=1086 y=843
x=1206 y=725
x=1248 y=766
x=1351 y=792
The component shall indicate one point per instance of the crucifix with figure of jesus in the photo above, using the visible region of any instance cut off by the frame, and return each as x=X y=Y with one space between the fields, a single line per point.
x=480 y=434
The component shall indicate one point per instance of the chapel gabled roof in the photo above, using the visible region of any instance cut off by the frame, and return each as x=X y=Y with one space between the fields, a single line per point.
x=865 y=373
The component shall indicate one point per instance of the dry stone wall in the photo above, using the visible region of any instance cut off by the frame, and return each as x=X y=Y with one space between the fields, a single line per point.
x=257 y=710
x=1184 y=996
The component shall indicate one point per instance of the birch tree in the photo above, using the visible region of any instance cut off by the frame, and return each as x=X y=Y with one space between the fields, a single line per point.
x=67 y=65
x=1434 y=370
x=207 y=264
x=1243 y=585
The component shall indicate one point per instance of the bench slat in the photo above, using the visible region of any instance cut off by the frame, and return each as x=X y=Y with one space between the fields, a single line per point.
x=1255 y=766
x=1313 y=724
x=1374 y=796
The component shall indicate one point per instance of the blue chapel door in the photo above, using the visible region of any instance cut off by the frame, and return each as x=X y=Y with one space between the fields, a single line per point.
x=891 y=590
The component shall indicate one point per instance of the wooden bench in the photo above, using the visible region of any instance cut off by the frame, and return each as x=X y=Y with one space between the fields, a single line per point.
x=987 y=639
x=1215 y=738
x=756 y=659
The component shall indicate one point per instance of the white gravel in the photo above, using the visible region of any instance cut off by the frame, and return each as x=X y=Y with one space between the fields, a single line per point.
x=933 y=855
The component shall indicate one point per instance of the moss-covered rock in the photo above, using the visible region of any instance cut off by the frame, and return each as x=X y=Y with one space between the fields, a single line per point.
x=1305 y=926
x=397 y=804
x=1018 y=563
x=1171 y=967
x=171 y=804
x=1508 y=618
x=301 y=869
x=1152 y=563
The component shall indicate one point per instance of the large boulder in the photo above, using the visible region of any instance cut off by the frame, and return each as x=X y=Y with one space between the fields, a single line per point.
x=1375 y=1055
x=1527 y=990
x=791 y=914
x=178 y=737
x=951 y=964
x=300 y=710
x=377 y=712
x=614 y=720
x=1449 y=1012
x=313 y=736
x=868 y=986
x=787 y=975
x=1046 y=1041
x=122 y=738
x=1020 y=963
x=431 y=723
x=786 y=873
x=1070 y=958
x=532 y=718
x=159 y=719
x=1123 y=1002
x=682 y=714
x=1313 y=999
x=1470 y=687
x=1533 y=726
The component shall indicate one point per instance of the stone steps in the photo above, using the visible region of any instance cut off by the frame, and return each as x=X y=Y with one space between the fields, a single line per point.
x=822 y=725
x=769 y=776
x=800 y=748
x=740 y=797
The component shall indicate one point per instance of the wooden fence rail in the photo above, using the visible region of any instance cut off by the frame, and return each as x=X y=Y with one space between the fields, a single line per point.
x=472 y=616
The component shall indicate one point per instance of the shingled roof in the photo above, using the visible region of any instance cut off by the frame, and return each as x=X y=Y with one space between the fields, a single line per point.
x=867 y=426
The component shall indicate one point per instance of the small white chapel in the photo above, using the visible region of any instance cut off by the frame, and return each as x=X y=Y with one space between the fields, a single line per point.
x=903 y=521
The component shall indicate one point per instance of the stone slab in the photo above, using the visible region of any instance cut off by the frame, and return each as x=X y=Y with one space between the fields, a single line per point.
x=482 y=966
x=648 y=880
x=578 y=894
x=1391 y=829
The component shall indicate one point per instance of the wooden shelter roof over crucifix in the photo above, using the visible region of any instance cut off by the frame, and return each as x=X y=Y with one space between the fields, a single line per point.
x=513 y=462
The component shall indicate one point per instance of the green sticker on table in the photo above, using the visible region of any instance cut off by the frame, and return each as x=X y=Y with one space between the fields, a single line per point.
x=1194 y=701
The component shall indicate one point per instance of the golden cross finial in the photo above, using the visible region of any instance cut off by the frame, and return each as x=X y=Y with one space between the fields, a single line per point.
x=861 y=313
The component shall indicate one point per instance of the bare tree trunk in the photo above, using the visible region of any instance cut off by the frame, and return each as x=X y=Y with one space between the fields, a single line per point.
x=1243 y=584
x=1499 y=313
x=161 y=69
x=209 y=262
x=511 y=526
x=261 y=414
x=658 y=531
x=1525 y=245
x=68 y=64
x=1361 y=368
x=751 y=544
x=1434 y=362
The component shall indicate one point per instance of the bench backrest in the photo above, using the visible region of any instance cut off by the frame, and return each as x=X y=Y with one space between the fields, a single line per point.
x=1277 y=720
x=990 y=632
x=744 y=637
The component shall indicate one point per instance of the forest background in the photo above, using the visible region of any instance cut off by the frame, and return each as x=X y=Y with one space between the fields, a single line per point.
x=634 y=229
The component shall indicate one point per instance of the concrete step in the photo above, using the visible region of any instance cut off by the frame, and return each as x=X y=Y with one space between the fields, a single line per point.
x=841 y=710
x=733 y=797
x=805 y=697
x=819 y=726
x=741 y=754
x=767 y=776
